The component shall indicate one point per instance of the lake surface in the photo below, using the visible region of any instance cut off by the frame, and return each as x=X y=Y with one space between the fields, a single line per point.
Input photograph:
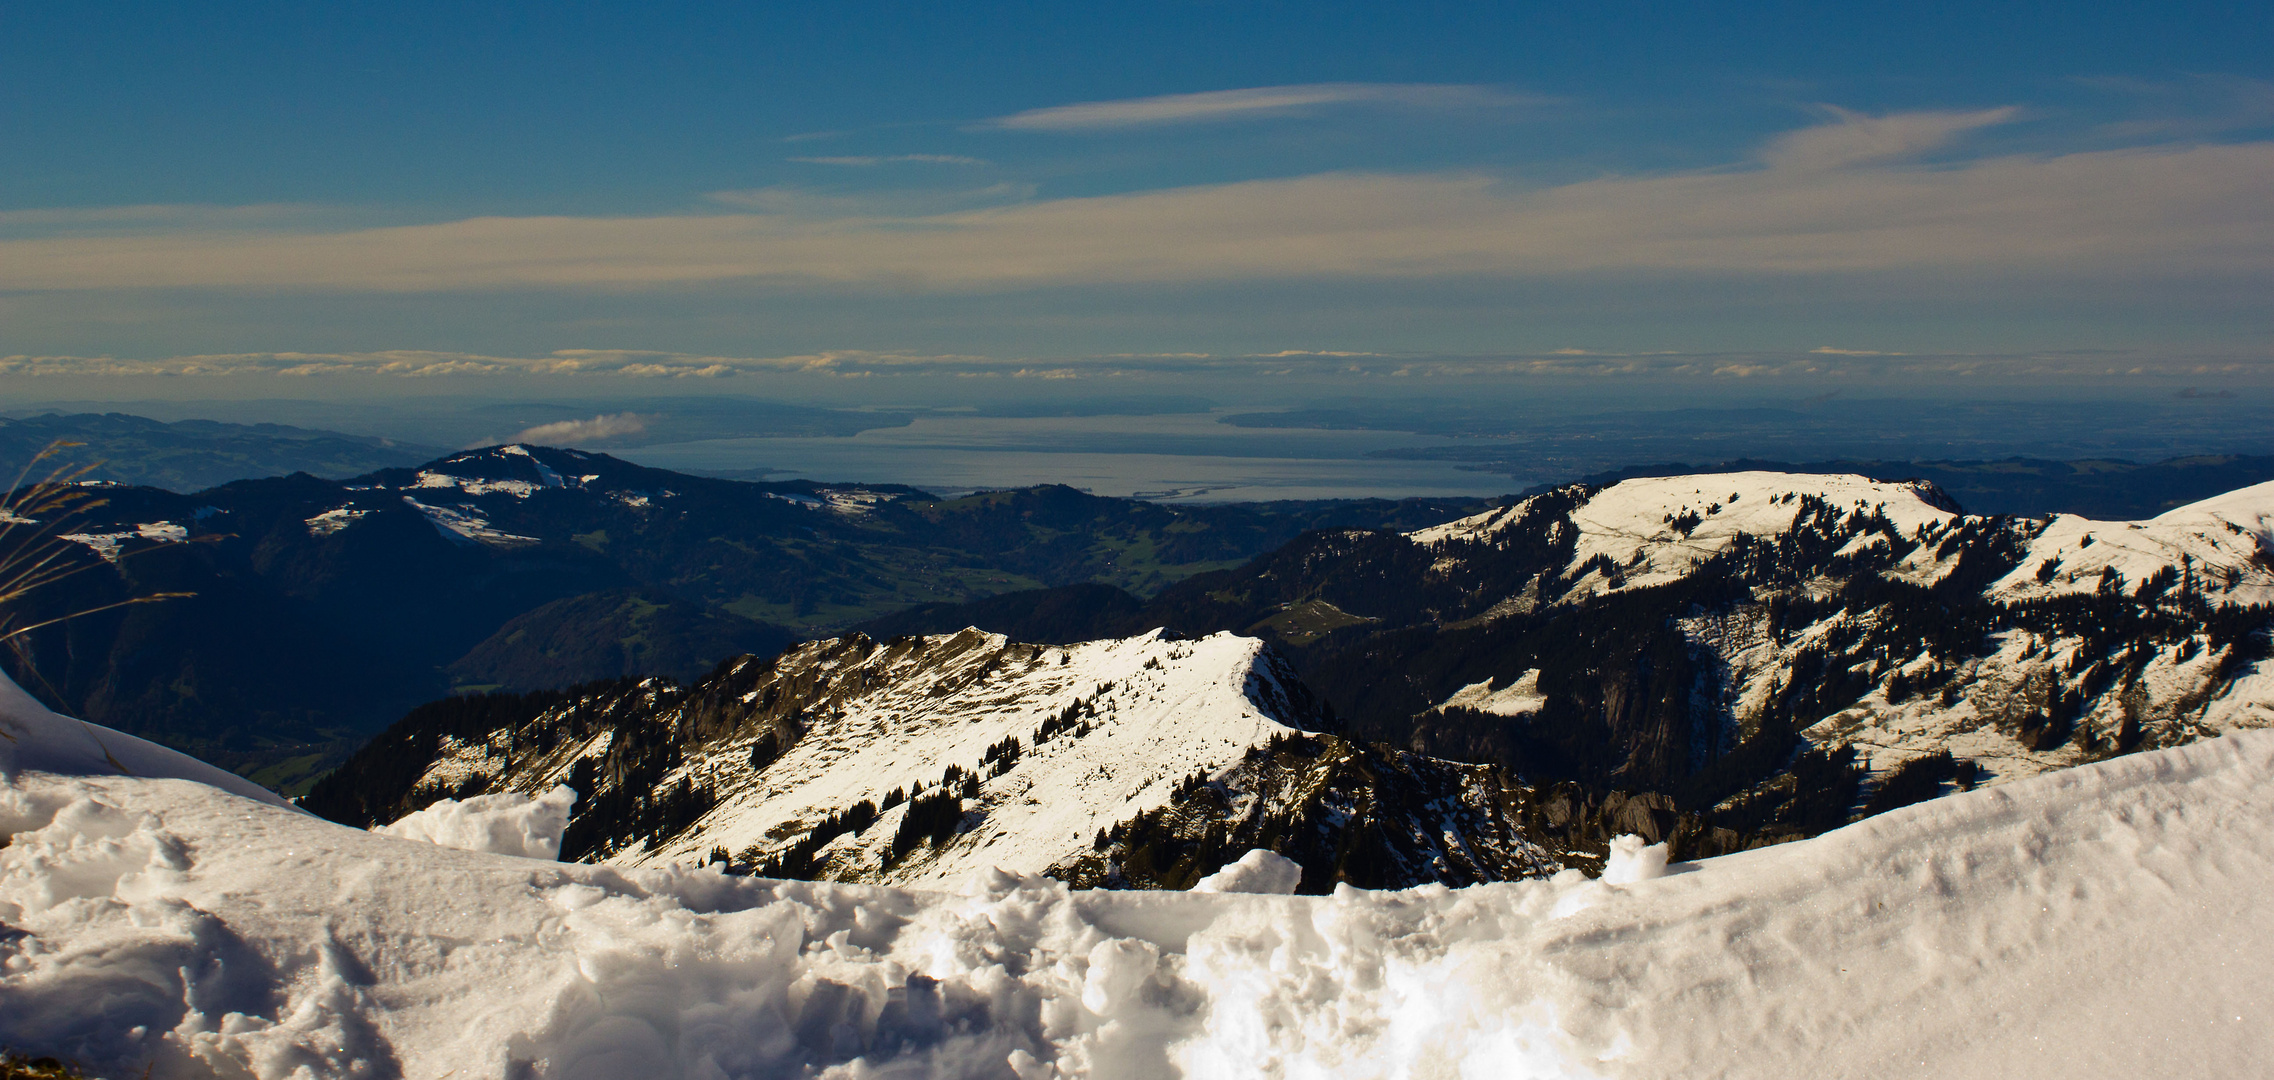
x=1181 y=457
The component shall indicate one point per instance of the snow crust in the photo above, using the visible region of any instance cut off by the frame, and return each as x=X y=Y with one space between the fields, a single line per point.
x=2103 y=921
x=506 y=823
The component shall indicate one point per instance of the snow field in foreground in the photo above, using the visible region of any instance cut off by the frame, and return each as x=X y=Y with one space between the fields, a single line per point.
x=2102 y=921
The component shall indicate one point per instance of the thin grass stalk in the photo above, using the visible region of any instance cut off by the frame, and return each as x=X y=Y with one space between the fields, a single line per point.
x=33 y=560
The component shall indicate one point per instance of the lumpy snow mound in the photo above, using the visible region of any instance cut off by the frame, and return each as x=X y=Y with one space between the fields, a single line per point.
x=507 y=823
x=1257 y=872
x=2108 y=920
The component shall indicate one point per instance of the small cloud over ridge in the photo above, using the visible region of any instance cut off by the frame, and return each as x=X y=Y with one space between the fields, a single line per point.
x=572 y=432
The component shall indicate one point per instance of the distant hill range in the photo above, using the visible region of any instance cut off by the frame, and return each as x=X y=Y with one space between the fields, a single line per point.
x=1717 y=660
x=325 y=608
x=192 y=455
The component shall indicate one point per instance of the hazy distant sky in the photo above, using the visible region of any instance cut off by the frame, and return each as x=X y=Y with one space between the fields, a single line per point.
x=1751 y=191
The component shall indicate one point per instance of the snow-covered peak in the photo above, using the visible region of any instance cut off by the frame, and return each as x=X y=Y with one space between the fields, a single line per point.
x=510 y=470
x=1655 y=530
x=2218 y=549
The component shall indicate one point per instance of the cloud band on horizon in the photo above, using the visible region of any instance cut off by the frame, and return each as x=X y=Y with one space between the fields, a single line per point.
x=1843 y=197
x=1821 y=363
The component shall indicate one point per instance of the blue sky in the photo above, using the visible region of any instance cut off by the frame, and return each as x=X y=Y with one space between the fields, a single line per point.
x=1706 y=192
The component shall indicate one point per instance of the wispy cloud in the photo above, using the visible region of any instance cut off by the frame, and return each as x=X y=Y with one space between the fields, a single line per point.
x=787 y=202
x=1254 y=103
x=1859 y=139
x=427 y=364
x=1843 y=197
x=893 y=159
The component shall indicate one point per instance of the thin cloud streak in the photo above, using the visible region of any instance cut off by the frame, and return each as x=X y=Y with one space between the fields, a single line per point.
x=1859 y=366
x=1857 y=139
x=863 y=161
x=1842 y=198
x=1260 y=102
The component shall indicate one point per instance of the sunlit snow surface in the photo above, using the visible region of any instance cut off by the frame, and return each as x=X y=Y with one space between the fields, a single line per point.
x=2103 y=921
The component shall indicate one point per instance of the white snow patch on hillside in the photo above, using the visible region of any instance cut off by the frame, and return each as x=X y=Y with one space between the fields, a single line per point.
x=462 y=527
x=1522 y=695
x=520 y=489
x=107 y=545
x=506 y=823
x=333 y=520
x=2103 y=921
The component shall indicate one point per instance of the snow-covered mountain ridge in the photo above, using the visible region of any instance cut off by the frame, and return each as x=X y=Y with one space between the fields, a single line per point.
x=1651 y=531
x=924 y=759
x=1783 y=651
x=2011 y=715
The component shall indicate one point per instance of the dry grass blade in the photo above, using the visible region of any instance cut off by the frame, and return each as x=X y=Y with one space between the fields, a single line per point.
x=32 y=516
x=35 y=553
